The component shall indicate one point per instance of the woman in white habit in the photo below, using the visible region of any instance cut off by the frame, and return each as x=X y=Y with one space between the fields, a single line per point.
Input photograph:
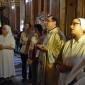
x=73 y=54
x=7 y=46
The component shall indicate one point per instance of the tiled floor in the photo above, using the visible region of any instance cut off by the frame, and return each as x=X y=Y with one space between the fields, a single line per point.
x=17 y=62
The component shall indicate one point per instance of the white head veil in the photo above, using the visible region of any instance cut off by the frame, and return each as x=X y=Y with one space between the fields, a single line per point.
x=82 y=21
x=8 y=28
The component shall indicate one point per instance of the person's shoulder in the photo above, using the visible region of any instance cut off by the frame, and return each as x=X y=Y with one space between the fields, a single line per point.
x=1 y=36
x=22 y=34
x=68 y=42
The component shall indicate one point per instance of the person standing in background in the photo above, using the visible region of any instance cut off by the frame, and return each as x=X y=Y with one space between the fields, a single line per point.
x=25 y=41
x=34 y=52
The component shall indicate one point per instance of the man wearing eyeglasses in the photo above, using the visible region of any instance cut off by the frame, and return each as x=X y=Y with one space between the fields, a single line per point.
x=51 y=48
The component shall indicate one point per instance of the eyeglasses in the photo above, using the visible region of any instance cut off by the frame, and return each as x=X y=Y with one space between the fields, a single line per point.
x=49 y=20
x=75 y=23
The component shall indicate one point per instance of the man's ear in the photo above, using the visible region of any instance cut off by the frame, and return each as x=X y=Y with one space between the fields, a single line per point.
x=55 y=22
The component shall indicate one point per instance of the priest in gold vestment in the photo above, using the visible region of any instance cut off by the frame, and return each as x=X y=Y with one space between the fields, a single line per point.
x=51 y=48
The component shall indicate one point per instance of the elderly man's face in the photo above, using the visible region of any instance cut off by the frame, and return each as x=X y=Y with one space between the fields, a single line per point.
x=76 y=27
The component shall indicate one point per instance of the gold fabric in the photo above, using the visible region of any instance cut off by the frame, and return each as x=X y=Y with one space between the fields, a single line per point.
x=54 y=44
